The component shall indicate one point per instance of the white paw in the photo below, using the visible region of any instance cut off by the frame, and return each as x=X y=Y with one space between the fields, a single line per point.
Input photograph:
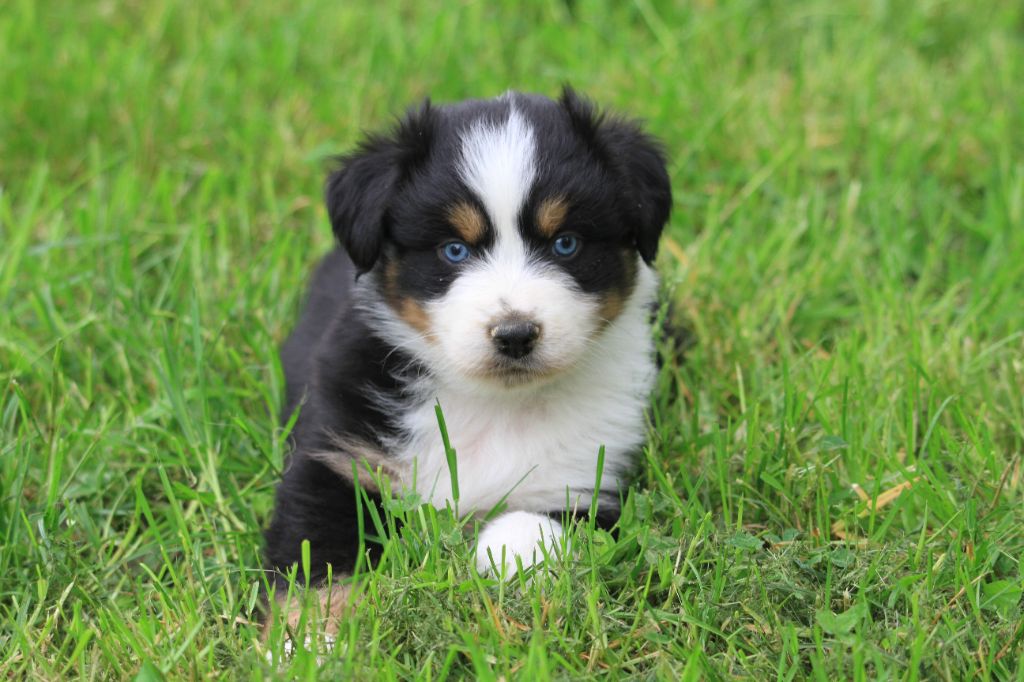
x=517 y=534
x=289 y=648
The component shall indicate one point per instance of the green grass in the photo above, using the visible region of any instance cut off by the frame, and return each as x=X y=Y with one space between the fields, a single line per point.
x=847 y=248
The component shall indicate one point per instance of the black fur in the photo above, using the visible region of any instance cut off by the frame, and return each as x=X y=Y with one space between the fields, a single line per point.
x=359 y=193
x=313 y=502
x=636 y=161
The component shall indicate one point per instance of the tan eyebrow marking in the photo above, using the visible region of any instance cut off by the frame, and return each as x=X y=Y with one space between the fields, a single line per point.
x=551 y=215
x=467 y=221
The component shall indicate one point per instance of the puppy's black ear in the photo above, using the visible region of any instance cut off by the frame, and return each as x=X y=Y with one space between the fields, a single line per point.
x=359 y=193
x=638 y=162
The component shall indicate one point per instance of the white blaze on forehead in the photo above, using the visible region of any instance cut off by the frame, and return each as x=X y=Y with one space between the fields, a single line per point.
x=498 y=164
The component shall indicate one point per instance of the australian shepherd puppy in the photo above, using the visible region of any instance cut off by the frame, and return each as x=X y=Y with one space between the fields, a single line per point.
x=495 y=260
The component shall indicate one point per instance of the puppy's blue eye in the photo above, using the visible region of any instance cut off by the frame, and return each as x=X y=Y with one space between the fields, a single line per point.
x=566 y=245
x=455 y=252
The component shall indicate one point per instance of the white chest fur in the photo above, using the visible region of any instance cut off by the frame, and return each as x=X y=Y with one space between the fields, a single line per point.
x=536 y=448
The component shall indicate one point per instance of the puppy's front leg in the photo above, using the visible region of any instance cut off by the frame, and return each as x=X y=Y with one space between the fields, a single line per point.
x=517 y=534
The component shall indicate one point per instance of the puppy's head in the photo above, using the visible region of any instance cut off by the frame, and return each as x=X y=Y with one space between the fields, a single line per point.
x=503 y=235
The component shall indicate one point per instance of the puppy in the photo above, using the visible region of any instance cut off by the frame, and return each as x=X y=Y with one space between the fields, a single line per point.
x=495 y=260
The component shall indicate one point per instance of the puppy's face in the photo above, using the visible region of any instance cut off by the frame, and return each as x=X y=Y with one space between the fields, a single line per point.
x=506 y=234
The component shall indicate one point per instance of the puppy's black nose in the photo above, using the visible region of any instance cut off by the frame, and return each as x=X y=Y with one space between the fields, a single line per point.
x=515 y=338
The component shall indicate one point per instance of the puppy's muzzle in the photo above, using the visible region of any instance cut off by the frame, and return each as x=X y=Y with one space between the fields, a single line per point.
x=515 y=338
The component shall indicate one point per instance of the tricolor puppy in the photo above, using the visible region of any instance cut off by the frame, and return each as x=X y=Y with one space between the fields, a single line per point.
x=495 y=259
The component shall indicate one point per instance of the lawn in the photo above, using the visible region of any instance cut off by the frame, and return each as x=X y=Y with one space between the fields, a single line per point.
x=833 y=485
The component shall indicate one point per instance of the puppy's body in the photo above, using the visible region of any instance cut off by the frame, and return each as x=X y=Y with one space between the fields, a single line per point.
x=503 y=252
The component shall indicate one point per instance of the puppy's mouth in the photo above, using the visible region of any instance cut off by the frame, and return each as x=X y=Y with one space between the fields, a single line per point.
x=519 y=372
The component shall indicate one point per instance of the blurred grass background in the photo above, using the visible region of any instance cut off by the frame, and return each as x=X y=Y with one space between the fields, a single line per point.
x=832 y=487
